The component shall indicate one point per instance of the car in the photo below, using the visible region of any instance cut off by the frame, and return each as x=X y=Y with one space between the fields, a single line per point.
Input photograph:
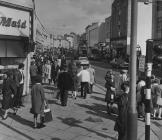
x=119 y=64
x=83 y=61
x=124 y=65
x=114 y=63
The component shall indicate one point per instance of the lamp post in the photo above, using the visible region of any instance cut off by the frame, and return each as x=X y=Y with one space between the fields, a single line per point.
x=132 y=112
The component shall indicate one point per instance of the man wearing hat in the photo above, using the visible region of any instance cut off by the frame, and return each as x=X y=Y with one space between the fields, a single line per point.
x=64 y=84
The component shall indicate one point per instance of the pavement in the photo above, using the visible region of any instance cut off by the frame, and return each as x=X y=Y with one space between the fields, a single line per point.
x=81 y=119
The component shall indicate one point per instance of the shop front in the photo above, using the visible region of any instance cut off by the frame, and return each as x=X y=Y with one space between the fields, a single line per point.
x=16 y=37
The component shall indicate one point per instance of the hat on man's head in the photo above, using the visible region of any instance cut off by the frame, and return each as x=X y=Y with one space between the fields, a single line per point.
x=21 y=65
x=124 y=71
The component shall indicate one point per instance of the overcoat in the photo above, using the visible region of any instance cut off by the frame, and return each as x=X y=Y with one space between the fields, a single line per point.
x=37 y=99
x=7 y=90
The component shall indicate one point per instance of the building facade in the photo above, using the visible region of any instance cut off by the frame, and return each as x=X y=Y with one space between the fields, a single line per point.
x=120 y=27
x=92 y=36
x=107 y=30
x=157 y=20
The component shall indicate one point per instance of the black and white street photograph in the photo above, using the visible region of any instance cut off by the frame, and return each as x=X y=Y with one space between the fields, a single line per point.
x=80 y=69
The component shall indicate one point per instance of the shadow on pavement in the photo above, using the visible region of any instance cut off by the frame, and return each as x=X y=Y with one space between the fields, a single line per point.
x=53 y=102
x=157 y=124
x=98 y=93
x=97 y=110
x=75 y=123
x=55 y=139
x=17 y=131
x=21 y=120
x=98 y=98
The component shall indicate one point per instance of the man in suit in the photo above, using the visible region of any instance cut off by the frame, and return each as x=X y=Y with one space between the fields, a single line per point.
x=20 y=84
x=64 y=84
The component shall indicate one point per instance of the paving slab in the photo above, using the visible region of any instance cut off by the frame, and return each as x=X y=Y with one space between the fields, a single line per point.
x=81 y=119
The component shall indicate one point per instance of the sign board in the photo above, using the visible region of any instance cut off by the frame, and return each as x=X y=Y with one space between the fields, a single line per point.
x=14 y=22
x=24 y=3
x=142 y=63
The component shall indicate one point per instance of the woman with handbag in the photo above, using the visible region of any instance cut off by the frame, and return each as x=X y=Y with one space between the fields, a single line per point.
x=37 y=101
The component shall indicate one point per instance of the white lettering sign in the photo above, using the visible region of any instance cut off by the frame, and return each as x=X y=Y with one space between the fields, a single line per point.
x=14 y=22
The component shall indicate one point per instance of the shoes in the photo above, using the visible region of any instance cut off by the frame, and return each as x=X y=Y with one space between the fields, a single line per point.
x=35 y=126
x=22 y=105
x=4 y=118
x=14 y=113
x=41 y=125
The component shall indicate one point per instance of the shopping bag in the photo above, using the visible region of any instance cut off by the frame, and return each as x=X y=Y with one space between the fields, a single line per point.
x=47 y=115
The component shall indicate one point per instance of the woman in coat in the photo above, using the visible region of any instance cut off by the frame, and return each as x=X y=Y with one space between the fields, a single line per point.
x=8 y=91
x=121 y=122
x=38 y=100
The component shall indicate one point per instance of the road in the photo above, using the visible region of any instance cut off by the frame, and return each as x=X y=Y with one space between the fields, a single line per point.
x=100 y=73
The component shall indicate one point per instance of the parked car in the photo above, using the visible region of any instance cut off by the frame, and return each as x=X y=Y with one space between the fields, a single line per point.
x=119 y=64
x=124 y=65
x=114 y=63
x=83 y=61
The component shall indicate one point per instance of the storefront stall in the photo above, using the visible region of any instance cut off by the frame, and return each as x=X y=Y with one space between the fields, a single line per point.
x=16 y=37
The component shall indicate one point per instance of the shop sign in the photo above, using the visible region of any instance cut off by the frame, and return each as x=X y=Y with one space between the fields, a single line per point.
x=142 y=63
x=14 y=22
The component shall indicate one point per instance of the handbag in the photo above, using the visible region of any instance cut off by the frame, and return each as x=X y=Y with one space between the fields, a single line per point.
x=47 y=113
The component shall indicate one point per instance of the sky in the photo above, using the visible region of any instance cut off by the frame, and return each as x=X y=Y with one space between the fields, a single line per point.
x=65 y=16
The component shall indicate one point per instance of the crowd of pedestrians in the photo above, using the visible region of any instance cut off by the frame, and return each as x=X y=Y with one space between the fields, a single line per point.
x=12 y=90
x=71 y=76
x=63 y=75
x=121 y=99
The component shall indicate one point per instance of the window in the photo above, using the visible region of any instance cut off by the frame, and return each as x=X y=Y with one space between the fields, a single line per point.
x=159 y=5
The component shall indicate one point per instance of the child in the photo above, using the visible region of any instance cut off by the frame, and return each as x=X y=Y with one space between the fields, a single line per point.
x=38 y=100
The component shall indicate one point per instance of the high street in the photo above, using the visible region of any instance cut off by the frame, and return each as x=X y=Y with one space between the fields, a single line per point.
x=82 y=119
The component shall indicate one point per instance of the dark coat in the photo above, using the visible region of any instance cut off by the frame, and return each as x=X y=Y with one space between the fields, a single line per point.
x=109 y=83
x=37 y=99
x=121 y=122
x=8 y=89
x=72 y=69
x=53 y=71
x=64 y=81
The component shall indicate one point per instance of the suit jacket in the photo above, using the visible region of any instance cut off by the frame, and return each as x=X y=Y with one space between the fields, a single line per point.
x=64 y=81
